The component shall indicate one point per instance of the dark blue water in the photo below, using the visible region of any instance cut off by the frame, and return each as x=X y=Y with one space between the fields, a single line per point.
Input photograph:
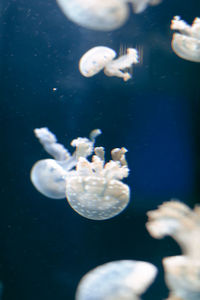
x=45 y=247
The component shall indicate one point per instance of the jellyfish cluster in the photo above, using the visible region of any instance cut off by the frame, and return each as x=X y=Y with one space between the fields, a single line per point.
x=93 y=188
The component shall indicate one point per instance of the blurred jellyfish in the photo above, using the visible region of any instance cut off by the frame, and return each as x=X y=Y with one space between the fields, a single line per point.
x=186 y=44
x=140 y=5
x=118 y=280
x=102 y=15
x=49 y=175
x=183 y=224
x=99 y=58
x=94 y=190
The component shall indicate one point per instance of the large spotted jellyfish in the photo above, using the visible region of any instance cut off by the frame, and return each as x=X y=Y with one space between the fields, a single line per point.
x=117 y=280
x=186 y=42
x=102 y=15
x=49 y=175
x=95 y=190
x=99 y=58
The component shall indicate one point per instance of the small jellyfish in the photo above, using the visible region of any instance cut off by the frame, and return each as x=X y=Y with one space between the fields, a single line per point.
x=49 y=175
x=140 y=5
x=102 y=15
x=94 y=190
x=99 y=58
x=186 y=43
x=123 y=279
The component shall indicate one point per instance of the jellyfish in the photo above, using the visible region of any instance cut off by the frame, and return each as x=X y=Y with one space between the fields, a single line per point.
x=95 y=190
x=186 y=43
x=123 y=279
x=140 y=5
x=49 y=175
x=183 y=224
x=99 y=58
x=102 y=15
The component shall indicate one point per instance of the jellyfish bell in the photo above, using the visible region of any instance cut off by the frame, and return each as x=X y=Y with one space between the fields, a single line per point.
x=186 y=42
x=95 y=197
x=95 y=191
x=95 y=59
x=124 y=279
x=102 y=15
x=49 y=178
x=186 y=47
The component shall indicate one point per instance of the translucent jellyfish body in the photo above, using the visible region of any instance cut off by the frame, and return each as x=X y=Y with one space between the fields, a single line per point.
x=99 y=58
x=118 y=280
x=94 y=190
x=96 y=14
x=186 y=43
x=183 y=224
x=102 y=15
x=140 y=5
x=49 y=175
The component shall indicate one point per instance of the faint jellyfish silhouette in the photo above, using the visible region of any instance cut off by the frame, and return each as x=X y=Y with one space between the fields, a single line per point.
x=94 y=190
x=140 y=5
x=49 y=175
x=186 y=44
x=102 y=15
x=124 y=279
x=99 y=58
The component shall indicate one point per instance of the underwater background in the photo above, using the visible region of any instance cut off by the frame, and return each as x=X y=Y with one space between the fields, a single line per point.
x=45 y=246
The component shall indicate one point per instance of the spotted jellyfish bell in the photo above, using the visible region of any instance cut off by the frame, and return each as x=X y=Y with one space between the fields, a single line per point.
x=102 y=15
x=49 y=175
x=99 y=58
x=121 y=280
x=186 y=43
x=95 y=59
x=94 y=190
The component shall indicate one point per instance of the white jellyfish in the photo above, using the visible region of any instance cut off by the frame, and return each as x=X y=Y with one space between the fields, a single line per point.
x=94 y=190
x=99 y=58
x=49 y=175
x=140 y=5
x=183 y=224
x=118 y=280
x=186 y=43
x=101 y=14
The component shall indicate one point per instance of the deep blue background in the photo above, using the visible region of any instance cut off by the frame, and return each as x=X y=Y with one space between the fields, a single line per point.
x=45 y=246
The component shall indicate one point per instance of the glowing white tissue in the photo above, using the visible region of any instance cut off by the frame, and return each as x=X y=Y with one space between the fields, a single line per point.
x=99 y=58
x=95 y=189
x=121 y=280
x=186 y=43
x=49 y=175
x=102 y=15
